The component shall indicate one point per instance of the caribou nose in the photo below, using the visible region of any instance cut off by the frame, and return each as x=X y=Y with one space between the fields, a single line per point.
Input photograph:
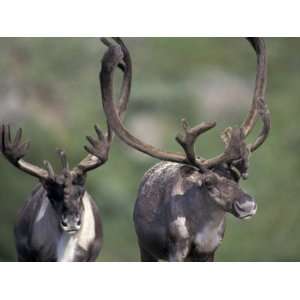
x=246 y=206
x=70 y=225
x=245 y=209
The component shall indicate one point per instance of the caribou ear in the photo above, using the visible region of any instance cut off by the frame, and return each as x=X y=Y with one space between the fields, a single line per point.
x=187 y=178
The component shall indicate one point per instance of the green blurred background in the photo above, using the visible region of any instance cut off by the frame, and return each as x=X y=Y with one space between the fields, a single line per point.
x=49 y=87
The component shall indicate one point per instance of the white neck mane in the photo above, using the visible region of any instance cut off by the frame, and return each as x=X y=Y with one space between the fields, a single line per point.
x=68 y=244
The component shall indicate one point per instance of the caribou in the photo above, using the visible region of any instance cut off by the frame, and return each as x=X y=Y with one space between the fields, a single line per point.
x=183 y=200
x=60 y=220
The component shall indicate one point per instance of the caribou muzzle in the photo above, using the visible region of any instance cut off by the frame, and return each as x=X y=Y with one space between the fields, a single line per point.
x=245 y=208
x=70 y=224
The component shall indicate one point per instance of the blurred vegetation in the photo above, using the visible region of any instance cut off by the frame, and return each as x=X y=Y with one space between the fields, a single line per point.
x=49 y=87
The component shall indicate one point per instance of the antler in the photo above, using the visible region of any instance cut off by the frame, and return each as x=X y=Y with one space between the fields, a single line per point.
x=259 y=106
x=236 y=150
x=15 y=150
x=63 y=159
x=98 y=152
x=99 y=148
x=112 y=58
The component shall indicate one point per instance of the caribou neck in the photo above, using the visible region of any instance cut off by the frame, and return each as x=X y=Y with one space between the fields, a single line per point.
x=208 y=215
x=68 y=244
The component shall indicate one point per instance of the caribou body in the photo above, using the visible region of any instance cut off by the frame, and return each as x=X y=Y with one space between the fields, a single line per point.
x=60 y=221
x=180 y=216
x=182 y=201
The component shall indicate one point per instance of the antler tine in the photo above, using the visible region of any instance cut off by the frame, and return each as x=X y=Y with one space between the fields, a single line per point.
x=49 y=169
x=189 y=138
x=63 y=158
x=98 y=153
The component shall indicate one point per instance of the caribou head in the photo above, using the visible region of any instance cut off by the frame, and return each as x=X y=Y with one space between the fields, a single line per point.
x=66 y=189
x=227 y=193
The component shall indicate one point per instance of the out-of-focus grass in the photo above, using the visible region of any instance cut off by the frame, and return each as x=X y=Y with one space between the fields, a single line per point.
x=50 y=88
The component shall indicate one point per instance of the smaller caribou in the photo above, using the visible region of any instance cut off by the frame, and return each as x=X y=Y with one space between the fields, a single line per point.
x=182 y=201
x=60 y=221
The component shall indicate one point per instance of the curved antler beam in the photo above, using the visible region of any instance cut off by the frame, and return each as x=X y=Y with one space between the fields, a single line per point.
x=259 y=106
x=111 y=59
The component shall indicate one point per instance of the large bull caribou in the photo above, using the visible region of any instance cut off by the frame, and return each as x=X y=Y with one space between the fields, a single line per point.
x=182 y=201
x=60 y=220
